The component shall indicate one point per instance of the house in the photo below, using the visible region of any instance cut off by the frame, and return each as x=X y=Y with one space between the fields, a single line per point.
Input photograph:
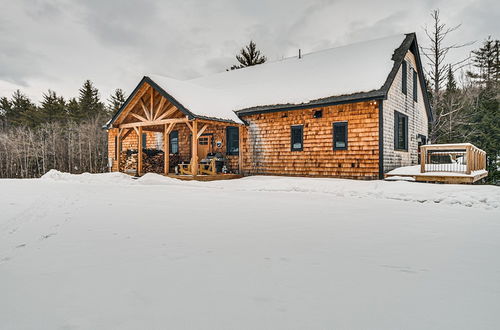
x=355 y=111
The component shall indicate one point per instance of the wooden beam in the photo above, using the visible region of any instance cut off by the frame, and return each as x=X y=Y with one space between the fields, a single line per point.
x=118 y=149
x=194 y=149
x=127 y=133
x=136 y=129
x=170 y=110
x=189 y=126
x=141 y=118
x=201 y=131
x=145 y=109
x=151 y=103
x=240 y=149
x=139 y=152
x=166 y=147
x=170 y=128
x=154 y=122
x=134 y=102
x=422 y=159
x=159 y=108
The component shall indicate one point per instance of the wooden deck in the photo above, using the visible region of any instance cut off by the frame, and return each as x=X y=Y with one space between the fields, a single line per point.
x=205 y=177
x=446 y=163
x=437 y=178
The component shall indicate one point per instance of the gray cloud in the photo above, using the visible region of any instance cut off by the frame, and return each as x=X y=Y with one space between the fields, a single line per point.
x=57 y=44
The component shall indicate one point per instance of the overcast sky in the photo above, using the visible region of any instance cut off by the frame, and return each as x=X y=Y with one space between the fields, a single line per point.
x=57 y=44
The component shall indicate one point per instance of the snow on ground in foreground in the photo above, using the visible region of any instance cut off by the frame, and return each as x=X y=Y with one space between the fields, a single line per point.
x=110 y=252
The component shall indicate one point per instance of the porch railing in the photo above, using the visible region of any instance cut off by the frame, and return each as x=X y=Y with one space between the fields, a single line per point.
x=457 y=158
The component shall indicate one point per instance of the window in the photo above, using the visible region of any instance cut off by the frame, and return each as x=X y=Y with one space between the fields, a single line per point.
x=233 y=140
x=297 y=137
x=340 y=136
x=400 y=131
x=144 y=140
x=404 y=77
x=174 y=142
x=318 y=114
x=415 y=86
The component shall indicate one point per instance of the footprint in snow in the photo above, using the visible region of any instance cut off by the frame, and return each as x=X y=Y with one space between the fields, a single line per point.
x=48 y=235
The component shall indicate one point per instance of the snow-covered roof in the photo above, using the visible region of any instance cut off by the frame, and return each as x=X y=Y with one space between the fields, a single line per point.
x=362 y=67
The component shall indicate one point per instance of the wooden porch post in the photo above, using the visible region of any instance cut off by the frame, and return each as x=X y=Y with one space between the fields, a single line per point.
x=240 y=150
x=194 y=149
x=469 y=159
x=423 y=154
x=166 y=149
x=118 y=148
x=139 y=151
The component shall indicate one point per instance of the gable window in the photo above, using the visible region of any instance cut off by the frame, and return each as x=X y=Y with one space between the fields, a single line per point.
x=144 y=141
x=400 y=131
x=415 y=86
x=297 y=137
x=404 y=77
x=340 y=136
x=233 y=140
x=174 y=142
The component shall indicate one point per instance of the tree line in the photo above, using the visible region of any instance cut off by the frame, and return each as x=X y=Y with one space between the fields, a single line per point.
x=60 y=134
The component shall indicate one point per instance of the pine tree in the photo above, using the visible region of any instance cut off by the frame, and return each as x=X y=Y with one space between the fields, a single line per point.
x=89 y=102
x=249 y=56
x=22 y=111
x=486 y=117
x=116 y=100
x=52 y=107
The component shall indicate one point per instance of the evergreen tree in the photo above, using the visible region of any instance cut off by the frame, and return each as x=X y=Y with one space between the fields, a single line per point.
x=22 y=111
x=89 y=102
x=116 y=100
x=53 y=107
x=249 y=56
x=4 y=108
x=486 y=117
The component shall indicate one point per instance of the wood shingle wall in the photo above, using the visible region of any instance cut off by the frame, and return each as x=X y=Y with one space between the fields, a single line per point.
x=266 y=143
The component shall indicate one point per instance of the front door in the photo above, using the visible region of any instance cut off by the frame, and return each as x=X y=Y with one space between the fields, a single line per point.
x=204 y=146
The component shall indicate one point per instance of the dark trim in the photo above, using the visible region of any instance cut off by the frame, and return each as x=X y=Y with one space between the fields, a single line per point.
x=423 y=85
x=404 y=77
x=397 y=115
x=346 y=135
x=232 y=153
x=170 y=142
x=313 y=104
x=415 y=87
x=301 y=126
x=381 y=140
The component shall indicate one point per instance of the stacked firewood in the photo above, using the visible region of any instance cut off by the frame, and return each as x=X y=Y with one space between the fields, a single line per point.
x=153 y=163
x=128 y=161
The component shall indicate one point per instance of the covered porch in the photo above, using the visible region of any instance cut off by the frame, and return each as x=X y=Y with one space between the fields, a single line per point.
x=153 y=134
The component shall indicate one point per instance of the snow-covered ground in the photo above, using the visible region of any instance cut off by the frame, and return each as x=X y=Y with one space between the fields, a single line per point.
x=110 y=252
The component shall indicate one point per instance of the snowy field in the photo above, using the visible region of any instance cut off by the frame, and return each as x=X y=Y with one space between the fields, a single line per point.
x=110 y=252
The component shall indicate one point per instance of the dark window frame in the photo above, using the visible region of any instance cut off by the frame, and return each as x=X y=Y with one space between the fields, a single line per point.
x=397 y=116
x=170 y=148
x=345 y=137
x=144 y=141
x=415 y=86
x=404 y=77
x=301 y=129
x=232 y=143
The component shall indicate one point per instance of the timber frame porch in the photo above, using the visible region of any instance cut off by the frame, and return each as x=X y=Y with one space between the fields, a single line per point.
x=149 y=110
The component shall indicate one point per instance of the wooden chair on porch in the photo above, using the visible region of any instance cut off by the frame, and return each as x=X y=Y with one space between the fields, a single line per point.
x=204 y=168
